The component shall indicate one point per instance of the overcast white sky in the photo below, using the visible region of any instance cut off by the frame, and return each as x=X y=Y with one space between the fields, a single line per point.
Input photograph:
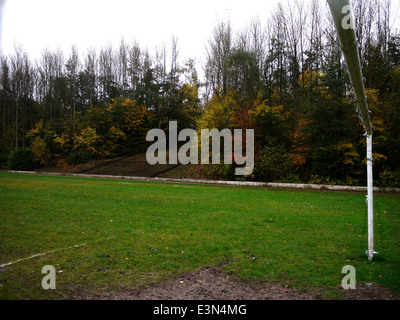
x=37 y=24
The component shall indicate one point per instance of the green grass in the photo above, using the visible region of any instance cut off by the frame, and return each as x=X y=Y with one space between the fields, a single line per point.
x=134 y=233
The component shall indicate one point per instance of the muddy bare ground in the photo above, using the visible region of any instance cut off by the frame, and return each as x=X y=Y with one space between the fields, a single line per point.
x=212 y=284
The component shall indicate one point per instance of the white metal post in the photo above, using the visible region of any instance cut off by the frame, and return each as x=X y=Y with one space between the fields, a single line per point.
x=370 y=199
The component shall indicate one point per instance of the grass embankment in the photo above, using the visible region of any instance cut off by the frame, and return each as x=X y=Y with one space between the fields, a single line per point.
x=132 y=233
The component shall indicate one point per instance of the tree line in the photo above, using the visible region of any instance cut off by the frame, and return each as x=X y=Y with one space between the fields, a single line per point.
x=283 y=76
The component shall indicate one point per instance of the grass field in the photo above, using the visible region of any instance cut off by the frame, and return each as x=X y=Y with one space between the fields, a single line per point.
x=118 y=234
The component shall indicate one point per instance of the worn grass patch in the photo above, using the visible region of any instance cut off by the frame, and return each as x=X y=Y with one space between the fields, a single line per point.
x=129 y=234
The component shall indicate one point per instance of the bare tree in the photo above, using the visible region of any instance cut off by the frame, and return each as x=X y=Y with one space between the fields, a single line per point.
x=134 y=66
x=19 y=75
x=122 y=67
x=384 y=25
x=174 y=58
x=50 y=71
x=5 y=89
x=258 y=36
x=88 y=79
x=160 y=64
x=219 y=47
x=106 y=76
x=314 y=49
x=72 y=67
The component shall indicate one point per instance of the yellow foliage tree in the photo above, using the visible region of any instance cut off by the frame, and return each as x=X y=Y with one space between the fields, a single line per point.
x=219 y=111
x=115 y=138
x=130 y=121
x=41 y=154
x=89 y=140
x=40 y=150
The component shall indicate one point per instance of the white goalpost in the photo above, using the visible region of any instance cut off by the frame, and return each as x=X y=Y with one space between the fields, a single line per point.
x=343 y=18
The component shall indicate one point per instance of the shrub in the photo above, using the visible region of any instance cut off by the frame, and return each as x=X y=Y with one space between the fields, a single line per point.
x=79 y=156
x=389 y=178
x=21 y=159
x=41 y=153
x=273 y=163
x=3 y=160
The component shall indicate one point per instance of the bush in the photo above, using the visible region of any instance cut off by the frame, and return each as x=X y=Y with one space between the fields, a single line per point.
x=389 y=179
x=221 y=171
x=80 y=156
x=41 y=154
x=274 y=163
x=3 y=160
x=21 y=159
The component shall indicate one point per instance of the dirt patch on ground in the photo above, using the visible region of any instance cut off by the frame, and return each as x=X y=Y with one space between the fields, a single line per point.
x=369 y=291
x=212 y=284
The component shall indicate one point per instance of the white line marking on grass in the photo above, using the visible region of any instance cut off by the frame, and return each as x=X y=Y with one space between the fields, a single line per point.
x=48 y=252
x=40 y=254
